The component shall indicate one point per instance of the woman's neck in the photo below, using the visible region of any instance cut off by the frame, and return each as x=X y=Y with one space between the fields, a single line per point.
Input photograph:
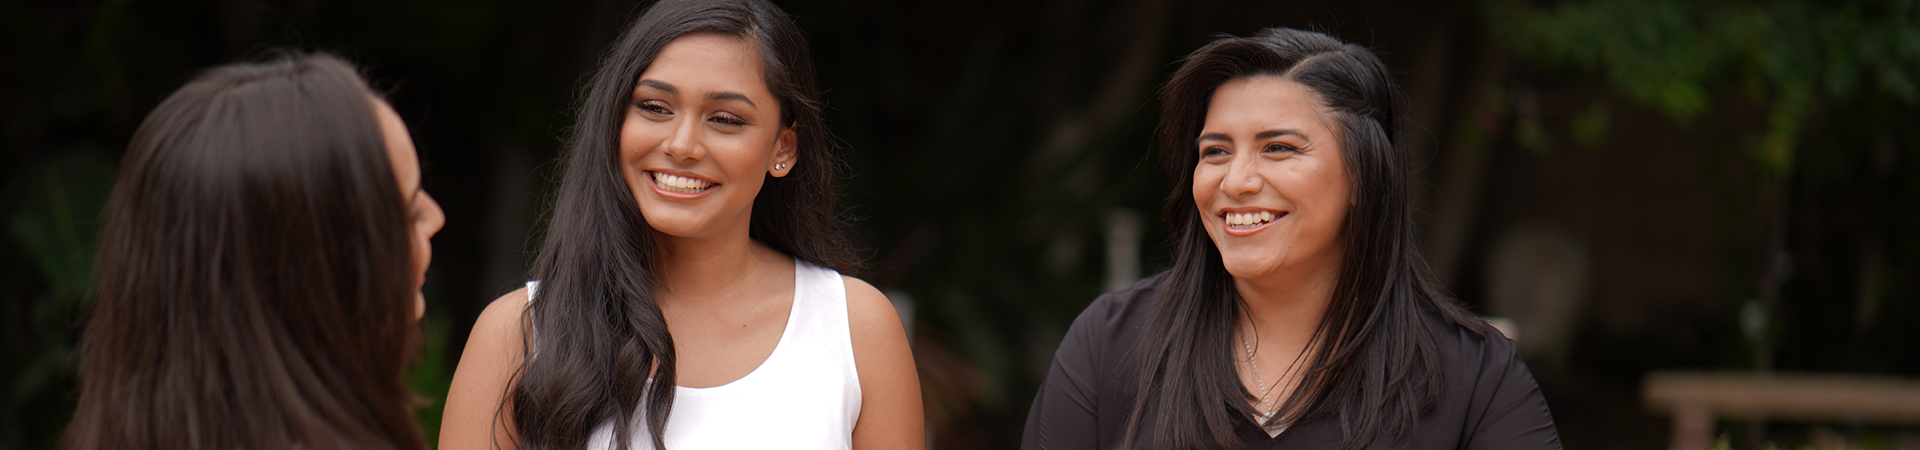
x=1291 y=304
x=696 y=268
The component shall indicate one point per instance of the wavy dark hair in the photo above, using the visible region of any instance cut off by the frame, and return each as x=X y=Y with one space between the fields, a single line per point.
x=1374 y=366
x=599 y=330
x=255 y=274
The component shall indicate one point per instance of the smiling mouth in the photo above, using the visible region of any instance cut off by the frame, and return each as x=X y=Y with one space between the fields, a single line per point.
x=1248 y=221
x=680 y=184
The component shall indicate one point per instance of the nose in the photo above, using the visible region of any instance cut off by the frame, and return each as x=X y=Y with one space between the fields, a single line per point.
x=684 y=144
x=1243 y=178
x=436 y=218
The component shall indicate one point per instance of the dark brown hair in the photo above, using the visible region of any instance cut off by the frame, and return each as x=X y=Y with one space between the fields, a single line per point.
x=1374 y=366
x=598 y=328
x=255 y=287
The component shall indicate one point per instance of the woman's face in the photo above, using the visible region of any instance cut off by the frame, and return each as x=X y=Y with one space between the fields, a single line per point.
x=425 y=214
x=1271 y=186
x=701 y=130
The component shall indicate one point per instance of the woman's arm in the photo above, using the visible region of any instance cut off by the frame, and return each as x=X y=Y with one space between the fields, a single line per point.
x=890 y=414
x=475 y=417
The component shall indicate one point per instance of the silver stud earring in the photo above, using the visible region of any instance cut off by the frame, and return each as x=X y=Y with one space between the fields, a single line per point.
x=780 y=166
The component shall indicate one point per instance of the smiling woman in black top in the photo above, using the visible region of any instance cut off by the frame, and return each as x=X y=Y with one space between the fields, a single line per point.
x=1298 y=312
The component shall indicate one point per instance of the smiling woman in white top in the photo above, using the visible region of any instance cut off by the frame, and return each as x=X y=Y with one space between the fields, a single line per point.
x=688 y=296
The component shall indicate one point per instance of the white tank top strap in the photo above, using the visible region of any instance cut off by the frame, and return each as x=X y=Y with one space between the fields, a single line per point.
x=820 y=305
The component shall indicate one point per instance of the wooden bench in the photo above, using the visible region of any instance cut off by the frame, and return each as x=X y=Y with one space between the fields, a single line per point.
x=1695 y=399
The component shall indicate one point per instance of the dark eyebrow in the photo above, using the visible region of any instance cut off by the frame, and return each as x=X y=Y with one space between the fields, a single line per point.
x=661 y=85
x=1270 y=134
x=731 y=96
x=1264 y=135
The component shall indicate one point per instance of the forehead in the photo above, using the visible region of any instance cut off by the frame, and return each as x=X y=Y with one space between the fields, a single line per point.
x=1259 y=103
x=709 y=62
x=399 y=145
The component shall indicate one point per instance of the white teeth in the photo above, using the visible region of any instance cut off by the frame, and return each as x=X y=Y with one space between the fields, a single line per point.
x=1249 y=219
x=679 y=183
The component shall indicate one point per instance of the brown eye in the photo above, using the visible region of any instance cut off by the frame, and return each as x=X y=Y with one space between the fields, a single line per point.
x=654 y=107
x=1280 y=147
x=727 y=119
x=1213 y=151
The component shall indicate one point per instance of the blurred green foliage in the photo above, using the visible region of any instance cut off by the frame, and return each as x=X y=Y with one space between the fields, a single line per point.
x=430 y=377
x=1794 y=57
x=1806 y=109
x=1814 y=104
x=52 y=214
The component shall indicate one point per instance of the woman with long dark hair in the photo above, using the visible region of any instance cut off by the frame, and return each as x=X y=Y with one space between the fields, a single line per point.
x=1298 y=312
x=259 y=277
x=688 y=293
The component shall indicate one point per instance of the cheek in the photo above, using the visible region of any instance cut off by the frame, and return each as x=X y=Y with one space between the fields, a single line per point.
x=744 y=158
x=638 y=136
x=1327 y=195
x=634 y=145
x=630 y=149
x=747 y=171
x=1206 y=183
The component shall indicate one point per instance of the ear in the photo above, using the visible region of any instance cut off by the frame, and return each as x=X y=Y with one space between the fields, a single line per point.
x=784 y=153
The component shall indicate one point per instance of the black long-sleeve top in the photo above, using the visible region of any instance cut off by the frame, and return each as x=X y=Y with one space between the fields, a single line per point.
x=1490 y=400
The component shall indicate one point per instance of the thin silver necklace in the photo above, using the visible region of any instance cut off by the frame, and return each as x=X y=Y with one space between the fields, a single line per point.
x=1267 y=389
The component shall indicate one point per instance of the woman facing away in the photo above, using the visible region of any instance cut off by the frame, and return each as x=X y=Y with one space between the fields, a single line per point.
x=686 y=292
x=1298 y=312
x=260 y=271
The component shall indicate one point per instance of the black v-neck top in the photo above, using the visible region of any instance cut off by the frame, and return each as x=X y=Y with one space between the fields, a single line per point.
x=1490 y=401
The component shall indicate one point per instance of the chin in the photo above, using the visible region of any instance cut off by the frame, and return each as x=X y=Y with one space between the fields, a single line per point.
x=1247 y=271
x=1247 y=266
x=675 y=228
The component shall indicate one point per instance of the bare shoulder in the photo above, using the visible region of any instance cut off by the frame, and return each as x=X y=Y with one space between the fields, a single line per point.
x=879 y=339
x=495 y=346
x=890 y=412
x=476 y=415
x=868 y=308
x=503 y=315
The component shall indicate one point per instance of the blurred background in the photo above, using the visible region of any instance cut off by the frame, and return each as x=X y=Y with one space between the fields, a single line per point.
x=1636 y=186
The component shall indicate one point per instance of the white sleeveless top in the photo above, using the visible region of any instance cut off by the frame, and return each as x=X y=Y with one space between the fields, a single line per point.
x=806 y=395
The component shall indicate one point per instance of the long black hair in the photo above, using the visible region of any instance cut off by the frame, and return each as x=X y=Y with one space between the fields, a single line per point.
x=1374 y=365
x=255 y=279
x=595 y=334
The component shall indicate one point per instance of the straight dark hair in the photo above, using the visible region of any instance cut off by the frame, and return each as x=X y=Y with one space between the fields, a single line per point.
x=595 y=334
x=1374 y=366
x=255 y=286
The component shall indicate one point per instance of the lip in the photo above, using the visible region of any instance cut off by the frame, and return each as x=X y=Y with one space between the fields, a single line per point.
x=1243 y=232
x=676 y=195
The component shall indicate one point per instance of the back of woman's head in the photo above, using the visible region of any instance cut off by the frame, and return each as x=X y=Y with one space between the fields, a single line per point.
x=254 y=278
x=1373 y=364
x=599 y=331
